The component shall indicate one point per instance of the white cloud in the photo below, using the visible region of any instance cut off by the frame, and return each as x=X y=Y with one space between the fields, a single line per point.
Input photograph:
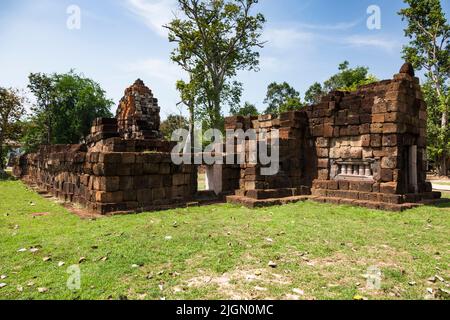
x=371 y=41
x=283 y=38
x=269 y=63
x=155 y=13
x=157 y=69
x=341 y=26
x=286 y=38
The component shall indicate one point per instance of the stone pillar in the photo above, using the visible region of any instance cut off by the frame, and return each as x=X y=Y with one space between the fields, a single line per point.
x=361 y=170
x=214 y=178
x=368 y=171
x=413 y=168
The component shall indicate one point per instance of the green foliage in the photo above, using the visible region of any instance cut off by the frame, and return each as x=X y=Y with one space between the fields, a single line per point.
x=429 y=50
x=282 y=97
x=438 y=136
x=33 y=133
x=215 y=39
x=172 y=123
x=11 y=112
x=429 y=34
x=347 y=79
x=66 y=105
x=314 y=94
x=247 y=110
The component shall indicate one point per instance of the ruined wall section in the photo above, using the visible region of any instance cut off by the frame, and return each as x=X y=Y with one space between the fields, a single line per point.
x=371 y=144
x=57 y=170
x=292 y=178
x=124 y=166
x=136 y=181
x=107 y=182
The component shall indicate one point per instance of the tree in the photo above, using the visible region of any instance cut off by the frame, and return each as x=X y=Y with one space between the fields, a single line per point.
x=247 y=110
x=66 y=105
x=11 y=111
x=314 y=94
x=438 y=139
x=282 y=98
x=429 y=49
x=41 y=85
x=216 y=39
x=172 y=123
x=347 y=79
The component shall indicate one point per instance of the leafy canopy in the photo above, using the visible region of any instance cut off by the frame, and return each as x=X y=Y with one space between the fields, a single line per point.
x=215 y=39
x=282 y=97
x=11 y=113
x=347 y=79
x=66 y=105
x=247 y=110
x=172 y=123
x=429 y=50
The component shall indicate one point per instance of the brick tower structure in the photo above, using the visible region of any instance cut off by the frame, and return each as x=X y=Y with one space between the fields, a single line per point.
x=138 y=113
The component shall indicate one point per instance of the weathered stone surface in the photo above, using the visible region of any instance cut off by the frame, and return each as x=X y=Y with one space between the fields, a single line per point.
x=407 y=68
x=352 y=148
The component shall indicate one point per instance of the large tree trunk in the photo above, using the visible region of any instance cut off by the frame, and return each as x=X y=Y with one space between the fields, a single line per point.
x=443 y=164
x=216 y=121
x=2 y=141
x=191 y=129
x=2 y=167
x=444 y=126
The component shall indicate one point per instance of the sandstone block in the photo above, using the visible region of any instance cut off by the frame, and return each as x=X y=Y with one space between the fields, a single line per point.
x=389 y=162
x=178 y=180
x=126 y=183
x=364 y=128
x=378 y=118
x=376 y=128
x=386 y=175
x=151 y=168
x=365 y=140
x=344 y=185
x=109 y=197
x=109 y=157
x=144 y=196
x=322 y=163
x=375 y=140
x=156 y=181
x=128 y=158
x=390 y=140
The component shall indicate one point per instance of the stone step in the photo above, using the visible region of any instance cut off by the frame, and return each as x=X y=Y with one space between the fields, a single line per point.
x=367 y=204
x=263 y=194
x=206 y=196
x=254 y=203
x=376 y=197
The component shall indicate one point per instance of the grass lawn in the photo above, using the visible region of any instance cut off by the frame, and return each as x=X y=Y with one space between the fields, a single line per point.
x=221 y=252
x=442 y=183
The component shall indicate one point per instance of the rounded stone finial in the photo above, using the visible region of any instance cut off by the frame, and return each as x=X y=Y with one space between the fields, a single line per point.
x=407 y=68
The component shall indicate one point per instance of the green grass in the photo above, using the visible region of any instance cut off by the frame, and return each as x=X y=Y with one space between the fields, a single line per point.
x=442 y=183
x=201 y=182
x=215 y=251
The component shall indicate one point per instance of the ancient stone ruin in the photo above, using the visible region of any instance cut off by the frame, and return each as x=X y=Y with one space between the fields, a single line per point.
x=364 y=148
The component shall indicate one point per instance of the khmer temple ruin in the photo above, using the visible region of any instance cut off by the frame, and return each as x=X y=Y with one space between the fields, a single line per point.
x=364 y=148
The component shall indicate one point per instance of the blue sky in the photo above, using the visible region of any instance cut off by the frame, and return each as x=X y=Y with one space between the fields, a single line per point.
x=122 y=40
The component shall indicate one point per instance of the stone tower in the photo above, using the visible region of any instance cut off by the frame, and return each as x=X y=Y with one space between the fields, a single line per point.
x=138 y=114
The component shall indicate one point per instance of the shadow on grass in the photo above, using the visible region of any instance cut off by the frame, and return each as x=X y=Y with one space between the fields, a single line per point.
x=6 y=176
x=442 y=203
